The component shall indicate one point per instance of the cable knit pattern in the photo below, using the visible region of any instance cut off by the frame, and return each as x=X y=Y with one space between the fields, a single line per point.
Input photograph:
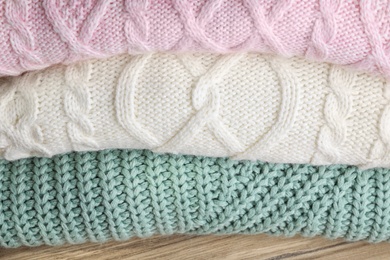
x=324 y=30
x=381 y=148
x=125 y=97
x=338 y=106
x=287 y=111
x=19 y=133
x=77 y=105
x=264 y=22
x=246 y=106
x=22 y=42
x=119 y=194
x=379 y=55
x=136 y=26
x=76 y=37
x=353 y=33
x=206 y=101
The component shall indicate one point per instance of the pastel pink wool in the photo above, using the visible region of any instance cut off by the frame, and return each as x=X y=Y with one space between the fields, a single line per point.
x=38 y=33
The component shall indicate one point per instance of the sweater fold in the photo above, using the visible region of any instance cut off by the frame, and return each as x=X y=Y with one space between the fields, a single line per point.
x=244 y=106
x=119 y=194
x=37 y=34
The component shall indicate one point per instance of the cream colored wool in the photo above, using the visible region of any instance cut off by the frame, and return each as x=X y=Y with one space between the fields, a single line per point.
x=245 y=106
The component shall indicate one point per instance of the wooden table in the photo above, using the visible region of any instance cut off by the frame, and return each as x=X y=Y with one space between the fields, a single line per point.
x=208 y=247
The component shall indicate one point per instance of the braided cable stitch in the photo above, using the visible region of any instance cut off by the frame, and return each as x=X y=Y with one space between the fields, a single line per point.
x=25 y=135
x=264 y=23
x=379 y=56
x=78 y=43
x=194 y=26
x=119 y=194
x=77 y=105
x=337 y=109
x=22 y=40
x=324 y=30
x=136 y=27
x=206 y=101
x=381 y=148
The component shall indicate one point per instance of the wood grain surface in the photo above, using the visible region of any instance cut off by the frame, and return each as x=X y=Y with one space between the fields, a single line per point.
x=208 y=247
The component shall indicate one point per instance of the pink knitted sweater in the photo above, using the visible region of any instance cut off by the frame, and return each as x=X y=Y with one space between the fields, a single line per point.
x=38 y=33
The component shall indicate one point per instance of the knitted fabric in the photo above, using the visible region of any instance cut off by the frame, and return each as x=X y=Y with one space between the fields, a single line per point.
x=35 y=34
x=119 y=194
x=247 y=106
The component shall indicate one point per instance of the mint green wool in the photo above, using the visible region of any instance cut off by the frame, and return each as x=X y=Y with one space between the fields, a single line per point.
x=119 y=194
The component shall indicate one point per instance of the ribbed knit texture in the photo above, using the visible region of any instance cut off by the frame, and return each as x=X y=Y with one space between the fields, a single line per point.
x=119 y=194
x=246 y=106
x=35 y=34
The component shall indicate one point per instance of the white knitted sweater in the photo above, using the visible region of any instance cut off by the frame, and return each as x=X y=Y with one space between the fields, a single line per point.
x=246 y=106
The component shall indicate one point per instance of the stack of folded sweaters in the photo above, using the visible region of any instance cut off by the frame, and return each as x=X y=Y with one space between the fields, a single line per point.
x=140 y=117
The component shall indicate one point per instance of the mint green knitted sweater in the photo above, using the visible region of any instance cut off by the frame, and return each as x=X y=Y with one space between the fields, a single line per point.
x=119 y=194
